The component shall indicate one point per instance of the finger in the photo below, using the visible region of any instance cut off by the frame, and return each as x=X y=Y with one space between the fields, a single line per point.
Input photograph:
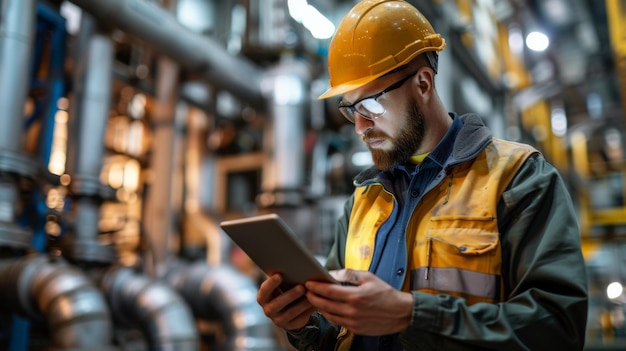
x=339 y=274
x=324 y=302
x=300 y=321
x=299 y=310
x=348 y=277
x=353 y=277
x=280 y=306
x=295 y=315
x=336 y=292
x=268 y=289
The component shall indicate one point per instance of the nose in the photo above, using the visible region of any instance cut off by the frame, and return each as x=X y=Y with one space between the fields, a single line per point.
x=362 y=124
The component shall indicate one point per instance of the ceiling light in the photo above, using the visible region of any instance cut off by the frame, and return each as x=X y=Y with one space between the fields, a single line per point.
x=614 y=290
x=537 y=41
x=313 y=20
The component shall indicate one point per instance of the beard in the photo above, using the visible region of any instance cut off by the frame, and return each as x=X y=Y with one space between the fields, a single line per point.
x=405 y=144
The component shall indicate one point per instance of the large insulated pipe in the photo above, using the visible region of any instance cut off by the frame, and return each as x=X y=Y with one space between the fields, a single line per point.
x=91 y=103
x=46 y=287
x=17 y=33
x=93 y=79
x=287 y=95
x=222 y=294
x=152 y=307
x=159 y=28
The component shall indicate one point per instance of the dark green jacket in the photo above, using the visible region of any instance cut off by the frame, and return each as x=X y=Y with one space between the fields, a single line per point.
x=543 y=272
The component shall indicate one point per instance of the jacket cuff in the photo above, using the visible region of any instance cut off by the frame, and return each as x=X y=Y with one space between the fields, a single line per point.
x=425 y=312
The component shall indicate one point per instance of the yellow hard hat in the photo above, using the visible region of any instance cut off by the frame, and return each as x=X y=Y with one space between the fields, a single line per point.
x=374 y=38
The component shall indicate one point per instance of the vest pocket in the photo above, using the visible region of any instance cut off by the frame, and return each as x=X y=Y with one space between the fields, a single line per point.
x=463 y=235
x=459 y=255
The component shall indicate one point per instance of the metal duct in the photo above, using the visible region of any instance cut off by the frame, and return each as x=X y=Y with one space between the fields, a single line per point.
x=93 y=79
x=159 y=28
x=17 y=35
x=221 y=293
x=89 y=114
x=17 y=32
x=152 y=307
x=283 y=172
x=76 y=312
x=269 y=28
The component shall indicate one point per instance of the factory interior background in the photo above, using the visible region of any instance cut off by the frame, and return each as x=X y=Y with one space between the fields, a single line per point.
x=130 y=128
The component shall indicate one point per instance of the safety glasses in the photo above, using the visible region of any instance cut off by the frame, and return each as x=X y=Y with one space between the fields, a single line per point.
x=369 y=107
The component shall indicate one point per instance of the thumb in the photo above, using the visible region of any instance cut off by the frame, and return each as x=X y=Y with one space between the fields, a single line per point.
x=349 y=276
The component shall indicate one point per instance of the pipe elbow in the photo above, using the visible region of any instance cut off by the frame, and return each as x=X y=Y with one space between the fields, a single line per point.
x=48 y=288
x=151 y=306
x=221 y=293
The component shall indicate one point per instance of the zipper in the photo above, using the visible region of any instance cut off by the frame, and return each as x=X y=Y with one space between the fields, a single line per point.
x=428 y=249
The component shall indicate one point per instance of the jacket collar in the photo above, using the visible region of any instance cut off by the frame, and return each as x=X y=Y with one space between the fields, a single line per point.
x=472 y=138
x=467 y=136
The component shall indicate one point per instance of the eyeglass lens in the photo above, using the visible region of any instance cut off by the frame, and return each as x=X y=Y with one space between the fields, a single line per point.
x=369 y=107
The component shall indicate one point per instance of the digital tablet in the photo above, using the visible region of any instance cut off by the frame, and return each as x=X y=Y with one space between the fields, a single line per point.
x=275 y=248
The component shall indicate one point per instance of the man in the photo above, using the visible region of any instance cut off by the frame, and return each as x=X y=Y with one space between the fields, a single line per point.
x=455 y=240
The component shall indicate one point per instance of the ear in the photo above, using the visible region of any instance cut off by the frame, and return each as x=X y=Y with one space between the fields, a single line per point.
x=425 y=83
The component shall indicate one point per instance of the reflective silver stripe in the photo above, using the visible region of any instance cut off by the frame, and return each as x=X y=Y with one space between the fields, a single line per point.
x=455 y=280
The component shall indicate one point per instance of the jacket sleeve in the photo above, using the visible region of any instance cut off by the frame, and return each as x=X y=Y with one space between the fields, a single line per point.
x=543 y=272
x=336 y=258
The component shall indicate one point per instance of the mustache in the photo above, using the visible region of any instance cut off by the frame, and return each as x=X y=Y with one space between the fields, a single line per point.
x=371 y=134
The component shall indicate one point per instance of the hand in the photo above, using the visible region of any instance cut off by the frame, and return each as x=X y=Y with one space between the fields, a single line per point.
x=288 y=310
x=371 y=307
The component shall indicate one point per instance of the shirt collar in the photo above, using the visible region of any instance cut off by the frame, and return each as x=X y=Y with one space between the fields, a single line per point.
x=443 y=150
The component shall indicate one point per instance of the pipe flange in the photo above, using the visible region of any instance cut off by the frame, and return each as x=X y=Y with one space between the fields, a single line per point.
x=14 y=236
x=91 y=187
x=88 y=251
x=13 y=162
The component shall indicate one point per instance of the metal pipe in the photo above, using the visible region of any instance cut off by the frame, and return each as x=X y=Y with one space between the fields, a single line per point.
x=96 y=104
x=283 y=171
x=158 y=28
x=89 y=114
x=17 y=33
x=159 y=207
x=46 y=287
x=93 y=79
x=11 y=235
x=222 y=294
x=152 y=307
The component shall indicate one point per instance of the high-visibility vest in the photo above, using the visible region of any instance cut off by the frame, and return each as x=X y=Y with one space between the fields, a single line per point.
x=453 y=232
x=452 y=236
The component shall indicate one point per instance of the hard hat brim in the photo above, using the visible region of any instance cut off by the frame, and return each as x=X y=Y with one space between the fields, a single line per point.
x=349 y=86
